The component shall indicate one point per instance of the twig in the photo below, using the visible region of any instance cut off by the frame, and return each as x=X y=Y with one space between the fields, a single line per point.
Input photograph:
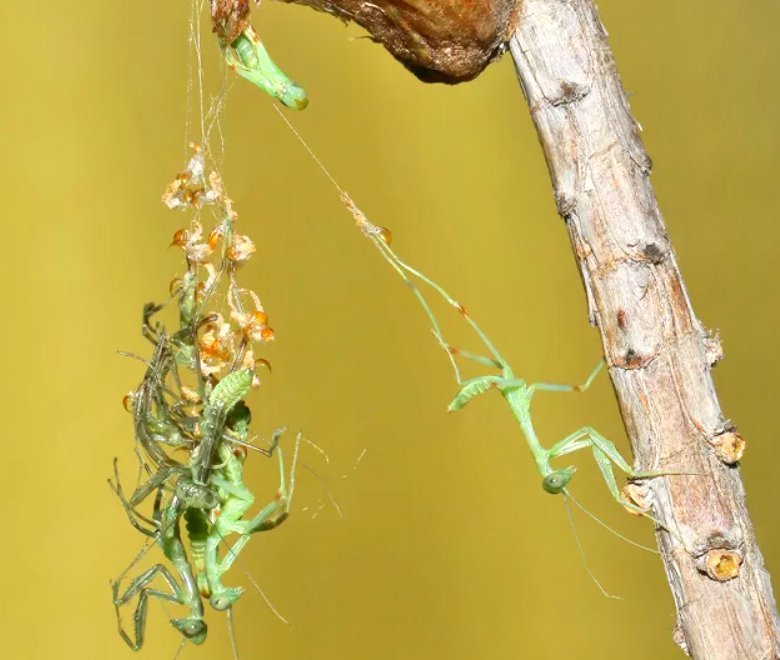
x=659 y=354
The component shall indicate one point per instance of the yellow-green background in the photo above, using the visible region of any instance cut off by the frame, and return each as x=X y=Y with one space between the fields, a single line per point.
x=448 y=547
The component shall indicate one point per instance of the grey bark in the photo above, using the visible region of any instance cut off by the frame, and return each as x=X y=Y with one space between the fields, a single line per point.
x=658 y=353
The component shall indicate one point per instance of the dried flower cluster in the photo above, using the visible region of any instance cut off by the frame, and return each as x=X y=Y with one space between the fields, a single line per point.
x=227 y=336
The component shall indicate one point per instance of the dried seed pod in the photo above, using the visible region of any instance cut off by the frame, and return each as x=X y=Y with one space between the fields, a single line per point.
x=447 y=41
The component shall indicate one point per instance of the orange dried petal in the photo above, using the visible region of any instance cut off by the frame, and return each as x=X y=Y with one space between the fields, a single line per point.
x=262 y=362
x=128 y=401
x=215 y=236
x=181 y=237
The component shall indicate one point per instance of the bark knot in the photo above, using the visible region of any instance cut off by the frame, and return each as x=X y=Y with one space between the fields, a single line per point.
x=633 y=359
x=653 y=253
x=728 y=446
x=569 y=92
x=721 y=564
x=713 y=350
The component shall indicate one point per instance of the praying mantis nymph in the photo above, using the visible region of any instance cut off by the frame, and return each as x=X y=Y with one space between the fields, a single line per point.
x=184 y=591
x=249 y=59
x=236 y=499
x=207 y=531
x=517 y=392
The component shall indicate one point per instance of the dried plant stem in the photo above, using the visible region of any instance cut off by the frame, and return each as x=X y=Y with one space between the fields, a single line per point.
x=659 y=354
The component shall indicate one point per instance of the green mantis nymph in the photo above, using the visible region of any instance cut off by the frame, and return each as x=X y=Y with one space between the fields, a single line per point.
x=208 y=530
x=249 y=59
x=226 y=394
x=516 y=392
x=236 y=499
x=165 y=532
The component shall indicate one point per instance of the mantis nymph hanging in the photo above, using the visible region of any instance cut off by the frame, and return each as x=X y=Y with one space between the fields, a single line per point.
x=517 y=392
x=249 y=59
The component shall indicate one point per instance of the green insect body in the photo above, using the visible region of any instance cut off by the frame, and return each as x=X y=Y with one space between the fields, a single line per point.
x=236 y=501
x=249 y=58
x=223 y=398
x=246 y=52
x=193 y=628
x=184 y=591
x=519 y=394
x=234 y=505
x=197 y=532
x=231 y=389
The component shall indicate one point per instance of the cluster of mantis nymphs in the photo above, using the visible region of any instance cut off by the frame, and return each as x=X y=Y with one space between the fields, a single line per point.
x=192 y=424
x=190 y=419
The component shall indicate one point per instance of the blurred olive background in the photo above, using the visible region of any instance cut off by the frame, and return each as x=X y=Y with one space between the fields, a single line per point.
x=448 y=547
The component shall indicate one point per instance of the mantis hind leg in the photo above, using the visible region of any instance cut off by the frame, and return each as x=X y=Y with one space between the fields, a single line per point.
x=139 y=586
x=154 y=483
x=277 y=511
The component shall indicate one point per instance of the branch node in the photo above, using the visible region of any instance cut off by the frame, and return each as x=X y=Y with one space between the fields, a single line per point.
x=713 y=350
x=569 y=92
x=720 y=564
x=654 y=253
x=728 y=446
x=679 y=638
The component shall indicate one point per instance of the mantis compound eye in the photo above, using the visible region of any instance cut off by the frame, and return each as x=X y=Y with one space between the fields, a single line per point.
x=194 y=630
x=225 y=599
x=556 y=481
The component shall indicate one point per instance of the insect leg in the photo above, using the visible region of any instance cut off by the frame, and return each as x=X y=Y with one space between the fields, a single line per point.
x=139 y=586
x=555 y=387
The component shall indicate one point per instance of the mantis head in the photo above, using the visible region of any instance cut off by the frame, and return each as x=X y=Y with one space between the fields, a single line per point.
x=193 y=629
x=225 y=598
x=195 y=495
x=556 y=481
